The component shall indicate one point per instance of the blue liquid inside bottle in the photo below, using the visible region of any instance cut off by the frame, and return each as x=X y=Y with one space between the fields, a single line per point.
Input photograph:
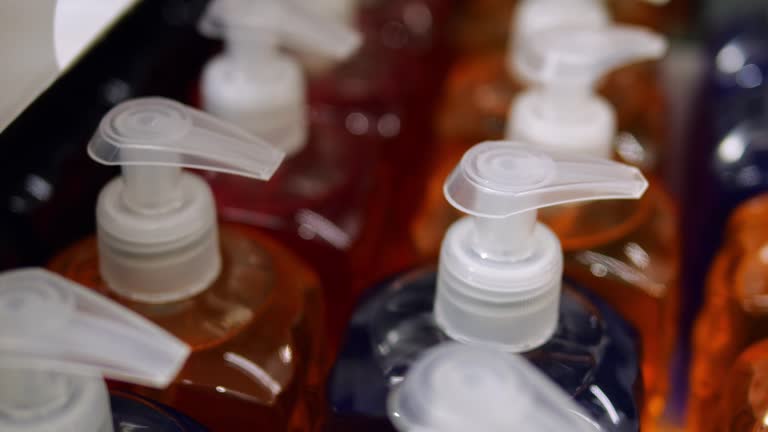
x=133 y=413
x=592 y=354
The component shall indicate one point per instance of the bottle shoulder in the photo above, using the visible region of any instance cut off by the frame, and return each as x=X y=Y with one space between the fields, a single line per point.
x=393 y=324
x=258 y=311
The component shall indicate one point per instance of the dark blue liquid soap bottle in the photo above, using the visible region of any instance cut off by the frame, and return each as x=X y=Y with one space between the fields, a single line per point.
x=498 y=285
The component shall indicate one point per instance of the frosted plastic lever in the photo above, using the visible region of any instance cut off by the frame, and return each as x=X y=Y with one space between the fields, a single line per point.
x=152 y=138
x=57 y=339
x=500 y=271
x=498 y=179
x=578 y=57
x=273 y=23
x=455 y=387
x=49 y=323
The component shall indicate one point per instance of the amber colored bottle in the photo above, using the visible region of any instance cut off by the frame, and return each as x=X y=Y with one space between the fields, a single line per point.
x=743 y=406
x=628 y=254
x=250 y=310
x=734 y=314
x=253 y=333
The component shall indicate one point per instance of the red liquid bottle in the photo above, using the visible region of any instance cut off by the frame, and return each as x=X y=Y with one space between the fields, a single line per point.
x=250 y=310
x=329 y=198
x=387 y=92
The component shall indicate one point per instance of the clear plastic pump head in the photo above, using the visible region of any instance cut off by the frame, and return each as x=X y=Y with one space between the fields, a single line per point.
x=533 y=16
x=579 y=56
x=453 y=388
x=157 y=226
x=563 y=112
x=273 y=23
x=500 y=271
x=56 y=337
x=256 y=85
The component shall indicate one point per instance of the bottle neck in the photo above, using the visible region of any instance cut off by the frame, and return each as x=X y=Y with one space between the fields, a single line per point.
x=29 y=394
x=504 y=239
x=159 y=256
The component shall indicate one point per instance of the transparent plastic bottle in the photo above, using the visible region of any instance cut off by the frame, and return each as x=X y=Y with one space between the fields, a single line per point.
x=250 y=310
x=58 y=339
x=329 y=198
x=455 y=387
x=733 y=315
x=625 y=252
x=499 y=285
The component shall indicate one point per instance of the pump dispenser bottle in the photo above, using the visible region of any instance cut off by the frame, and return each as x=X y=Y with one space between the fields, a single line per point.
x=321 y=203
x=57 y=340
x=249 y=308
x=455 y=387
x=475 y=103
x=481 y=86
x=499 y=285
x=626 y=252
x=734 y=314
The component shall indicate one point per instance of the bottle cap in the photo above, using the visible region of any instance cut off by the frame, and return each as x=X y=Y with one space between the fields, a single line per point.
x=500 y=271
x=455 y=387
x=563 y=112
x=253 y=83
x=57 y=339
x=533 y=16
x=157 y=232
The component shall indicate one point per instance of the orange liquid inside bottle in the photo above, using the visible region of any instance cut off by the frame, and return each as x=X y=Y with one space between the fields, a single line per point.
x=255 y=333
x=744 y=404
x=628 y=254
x=734 y=314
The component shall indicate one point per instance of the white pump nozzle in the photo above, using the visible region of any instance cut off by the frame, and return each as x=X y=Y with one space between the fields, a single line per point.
x=253 y=84
x=277 y=23
x=453 y=388
x=500 y=271
x=57 y=339
x=534 y=16
x=564 y=112
x=158 y=240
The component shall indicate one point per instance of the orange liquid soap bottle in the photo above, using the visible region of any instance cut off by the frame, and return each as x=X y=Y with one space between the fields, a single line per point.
x=743 y=406
x=626 y=252
x=482 y=83
x=734 y=314
x=249 y=309
x=475 y=105
x=328 y=199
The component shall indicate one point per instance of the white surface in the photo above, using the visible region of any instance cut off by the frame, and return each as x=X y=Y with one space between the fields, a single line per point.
x=39 y=38
x=78 y=23
x=26 y=47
